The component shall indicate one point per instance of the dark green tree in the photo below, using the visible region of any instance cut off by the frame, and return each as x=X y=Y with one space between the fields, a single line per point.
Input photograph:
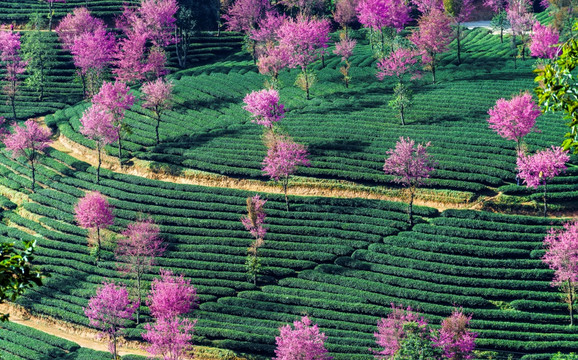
x=41 y=58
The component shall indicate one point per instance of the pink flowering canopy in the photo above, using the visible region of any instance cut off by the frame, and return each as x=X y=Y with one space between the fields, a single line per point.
x=562 y=253
x=344 y=48
x=304 y=342
x=399 y=63
x=496 y=5
x=12 y=64
x=513 y=119
x=28 y=139
x=264 y=107
x=544 y=41
x=171 y=296
x=255 y=219
x=519 y=16
x=93 y=51
x=169 y=338
x=283 y=158
x=139 y=246
x=377 y=14
x=267 y=27
x=390 y=330
x=94 y=211
x=454 y=337
x=75 y=24
x=244 y=15
x=98 y=124
x=305 y=40
x=157 y=94
x=115 y=98
x=409 y=164
x=433 y=35
x=273 y=59
x=536 y=169
x=345 y=12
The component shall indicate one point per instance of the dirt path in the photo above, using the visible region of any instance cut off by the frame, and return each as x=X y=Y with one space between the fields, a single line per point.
x=313 y=187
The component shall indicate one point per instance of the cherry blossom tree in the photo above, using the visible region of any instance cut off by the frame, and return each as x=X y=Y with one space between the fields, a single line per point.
x=272 y=60
x=305 y=40
x=460 y=11
x=378 y=15
x=410 y=166
x=12 y=64
x=521 y=21
x=500 y=19
x=137 y=251
x=170 y=338
x=544 y=41
x=432 y=37
x=74 y=24
x=116 y=99
x=134 y=62
x=390 y=330
x=457 y=341
x=171 y=296
x=110 y=310
x=562 y=257
x=92 y=52
x=158 y=97
x=344 y=48
x=28 y=141
x=253 y=222
x=345 y=13
x=283 y=158
x=94 y=212
x=97 y=124
x=400 y=63
x=306 y=7
x=303 y=342
x=50 y=4
x=264 y=107
x=537 y=169
x=244 y=16
x=513 y=119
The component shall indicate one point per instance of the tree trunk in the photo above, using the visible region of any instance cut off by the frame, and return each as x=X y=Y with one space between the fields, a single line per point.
x=49 y=15
x=114 y=347
x=138 y=295
x=285 y=183
x=410 y=208
x=158 y=125
x=571 y=300
x=99 y=162
x=433 y=70
x=119 y=144
x=13 y=104
x=545 y=201
x=402 y=115
x=307 y=84
x=83 y=80
x=459 y=44
x=33 y=174
x=501 y=34
x=323 y=61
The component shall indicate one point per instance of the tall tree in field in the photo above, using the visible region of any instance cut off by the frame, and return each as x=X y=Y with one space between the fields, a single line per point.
x=400 y=63
x=521 y=21
x=272 y=60
x=455 y=338
x=513 y=119
x=380 y=15
x=184 y=31
x=13 y=66
x=171 y=297
x=137 y=251
x=283 y=158
x=264 y=107
x=410 y=166
x=109 y=310
x=537 y=169
x=74 y=24
x=40 y=57
x=304 y=342
x=432 y=37
x=253 y=222
x=94 y=212
x=562 y=257
x=500 y=18
x=92 y=52
x=345 y=13
x=28 y=141
x=390 y=330
x=306 y=40
x=50 y=4
x=158 y=97
x=344 y=48
x=460 y=11
x=116 y=99
x=97 y=124
x=544 y=41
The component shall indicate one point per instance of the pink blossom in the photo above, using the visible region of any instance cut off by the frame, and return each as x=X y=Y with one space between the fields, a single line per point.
x=399 y=63
x=170 y=338
x=267 y=27
x=94 y=211
x=562 y=253
x=537 y=169
x=283 y=157
x=519 y=16
x=408 y=164
x=377 y=14
x=544 y=41
x=496 y=5
x=12 y=64
x=158 y=97
x=159 y=20
x=514 y=119
x=255 y=217
x=135 y=62
x=115 y=98
x=344 y=48
x=345 y=12
x=171 y=296
x=459 y=10
x=264 y=107
x=244 y=15
x=109 y=311
x=98 y=124
x=390 y=330
x=454 y=337
x=93 y=51
x=27 y=139
x=75 y=24
x=273 y=59
x=305 y=342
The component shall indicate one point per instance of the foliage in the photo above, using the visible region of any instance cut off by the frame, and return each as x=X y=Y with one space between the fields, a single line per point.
x=158 y=96
x=94 y=212
x=377 y=14
x=537 y=169
x=74 y=24
x=399 y=63
x=170 y=338
x=454 y=337
x=544 y=41
x=109 y=310
x=244 y=15
x=345 y=12
x=16 y=272
x=303 y=342
x=40 y=57
x=402 y=100
x=264 y=107
x=391 y=332
x=13 y=66
x=344 y=48
x=171 y=296
x=253 y=222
